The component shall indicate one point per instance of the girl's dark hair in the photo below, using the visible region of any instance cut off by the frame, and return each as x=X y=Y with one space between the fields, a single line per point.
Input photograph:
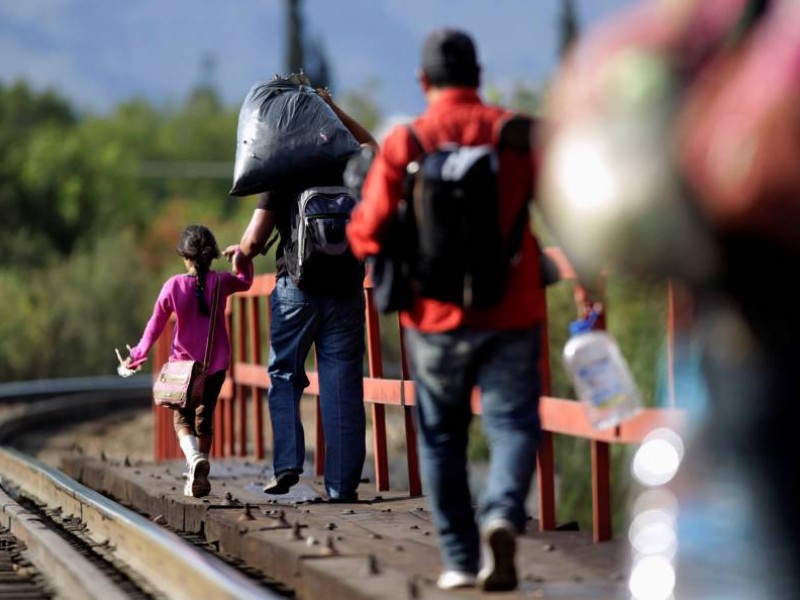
x=198 y=245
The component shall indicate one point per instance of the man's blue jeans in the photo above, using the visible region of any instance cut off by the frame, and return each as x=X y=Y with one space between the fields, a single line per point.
x=336 y=327
x=445 y=367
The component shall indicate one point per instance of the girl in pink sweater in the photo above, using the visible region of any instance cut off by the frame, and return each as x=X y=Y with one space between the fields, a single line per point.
x=189 y=296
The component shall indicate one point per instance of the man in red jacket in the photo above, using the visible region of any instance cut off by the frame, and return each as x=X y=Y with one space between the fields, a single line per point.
x=452 y=348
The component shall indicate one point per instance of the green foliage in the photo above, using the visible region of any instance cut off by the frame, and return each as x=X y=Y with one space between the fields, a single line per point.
x=70 y=189
x=525 y=99
x=362 y=104
x=22 y=114
x=87 y=238
x=522 y=97
x=22 y=108
x=67 y=319
x=22 y=327
x=202 y=133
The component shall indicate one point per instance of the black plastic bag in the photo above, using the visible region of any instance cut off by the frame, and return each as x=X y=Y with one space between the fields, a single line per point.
x=285 y=129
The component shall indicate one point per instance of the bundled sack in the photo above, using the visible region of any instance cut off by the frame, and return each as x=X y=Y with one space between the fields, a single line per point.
x=285 y=127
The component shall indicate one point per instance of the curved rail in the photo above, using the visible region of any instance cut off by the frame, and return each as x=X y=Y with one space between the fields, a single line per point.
x=169 y=564
x=19 y=390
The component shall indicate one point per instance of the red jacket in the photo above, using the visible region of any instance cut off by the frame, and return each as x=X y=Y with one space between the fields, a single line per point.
x=456 y=115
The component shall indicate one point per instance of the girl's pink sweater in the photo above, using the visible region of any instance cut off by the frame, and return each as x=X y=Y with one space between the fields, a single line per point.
x=191 y=329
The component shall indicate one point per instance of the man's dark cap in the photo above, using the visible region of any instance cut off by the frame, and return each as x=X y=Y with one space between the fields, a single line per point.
x=449 y=58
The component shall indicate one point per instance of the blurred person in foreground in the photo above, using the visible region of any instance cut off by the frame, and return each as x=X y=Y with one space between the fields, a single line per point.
x=453 y=348
x=331 y=317
x=682 y=120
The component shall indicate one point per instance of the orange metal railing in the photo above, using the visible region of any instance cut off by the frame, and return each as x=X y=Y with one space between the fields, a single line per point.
x=239 y=418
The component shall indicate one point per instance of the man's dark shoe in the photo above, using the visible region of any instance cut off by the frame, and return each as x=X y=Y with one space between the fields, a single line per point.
x=344 y=498
x=499 y=573
x=281 y=483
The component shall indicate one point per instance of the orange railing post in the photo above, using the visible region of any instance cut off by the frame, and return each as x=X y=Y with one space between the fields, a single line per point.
x=601 y=491
x=547 y=482
x=255 y=391
x=545 y=457
x=375 y=369
x=239 y=443
x=408 y=401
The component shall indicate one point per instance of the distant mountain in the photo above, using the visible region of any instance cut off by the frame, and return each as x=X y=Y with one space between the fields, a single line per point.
x=98 y=52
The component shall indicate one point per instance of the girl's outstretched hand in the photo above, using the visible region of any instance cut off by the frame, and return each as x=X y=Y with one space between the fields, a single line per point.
x=127 y=367
x=230 y=251
x=234 y=256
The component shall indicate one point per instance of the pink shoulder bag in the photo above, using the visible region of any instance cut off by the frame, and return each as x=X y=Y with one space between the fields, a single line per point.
x=181 y=382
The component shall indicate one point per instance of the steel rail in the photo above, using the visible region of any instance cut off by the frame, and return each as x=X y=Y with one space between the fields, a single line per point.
x=63 y=567
x=170 y=565
x=22 y=390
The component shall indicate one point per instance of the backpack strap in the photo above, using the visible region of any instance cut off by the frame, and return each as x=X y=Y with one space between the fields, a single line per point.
x=521 y=221
x=516 y=132
x=415 y=139
x=270 y=243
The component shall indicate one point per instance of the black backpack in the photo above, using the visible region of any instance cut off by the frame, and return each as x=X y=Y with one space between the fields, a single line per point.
x=317 y=254
x=444 y=242
x=461 y=256
x=454 y=200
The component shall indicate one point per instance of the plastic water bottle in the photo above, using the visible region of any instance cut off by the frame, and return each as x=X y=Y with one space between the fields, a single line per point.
x=602 y=379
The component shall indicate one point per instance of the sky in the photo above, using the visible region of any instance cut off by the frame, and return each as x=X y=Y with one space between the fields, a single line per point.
x=100 y=52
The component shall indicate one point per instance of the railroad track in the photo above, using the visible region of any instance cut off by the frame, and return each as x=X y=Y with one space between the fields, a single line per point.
x=60 y=539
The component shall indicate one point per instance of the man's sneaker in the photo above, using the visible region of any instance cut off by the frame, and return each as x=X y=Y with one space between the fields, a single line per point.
x=281 y=483
x=452 y=580
x=499 y=573
x=198 y=485
x=350 y=498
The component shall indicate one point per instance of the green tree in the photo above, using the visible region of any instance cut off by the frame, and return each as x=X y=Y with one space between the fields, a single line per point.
x=76 y=214
x=196 y=148
x=22 y=113
x=525 y=98
x=69 y=189
x=362 y=104
x=67 y=319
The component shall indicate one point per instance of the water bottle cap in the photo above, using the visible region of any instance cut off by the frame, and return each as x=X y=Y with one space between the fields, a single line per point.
x=580 y=326
x=583 y=325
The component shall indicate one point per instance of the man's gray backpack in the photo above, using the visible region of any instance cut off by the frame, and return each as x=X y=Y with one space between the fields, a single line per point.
x=317 y=254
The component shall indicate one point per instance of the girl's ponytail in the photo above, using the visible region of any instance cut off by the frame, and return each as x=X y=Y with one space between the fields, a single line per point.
x=200 y=289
